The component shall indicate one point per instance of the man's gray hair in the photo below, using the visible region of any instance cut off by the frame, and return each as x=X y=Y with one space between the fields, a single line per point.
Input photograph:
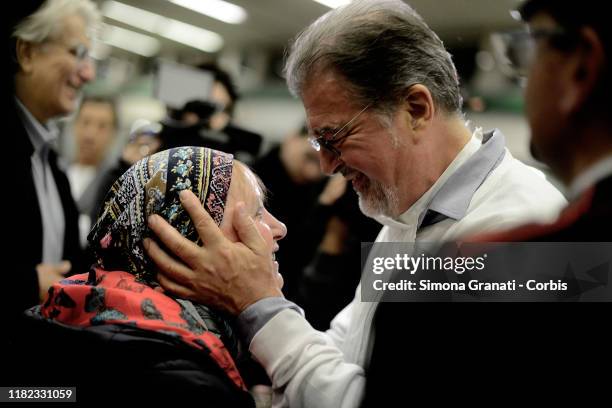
x=381 y=47
x=46 y=22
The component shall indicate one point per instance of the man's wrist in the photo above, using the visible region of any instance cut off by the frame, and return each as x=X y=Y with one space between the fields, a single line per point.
x=269 y=293
x=255 y=316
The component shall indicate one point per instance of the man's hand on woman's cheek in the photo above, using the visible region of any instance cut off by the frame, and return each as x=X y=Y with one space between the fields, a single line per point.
x=228 y=275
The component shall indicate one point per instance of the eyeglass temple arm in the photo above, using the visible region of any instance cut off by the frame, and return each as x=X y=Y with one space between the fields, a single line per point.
x=350 y=121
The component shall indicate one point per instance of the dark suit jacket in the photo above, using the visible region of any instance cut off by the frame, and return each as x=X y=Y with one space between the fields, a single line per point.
x=588 y=219
x=441 y=343
x=23 y=241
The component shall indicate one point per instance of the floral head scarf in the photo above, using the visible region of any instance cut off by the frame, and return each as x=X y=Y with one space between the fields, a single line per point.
x=151 y=186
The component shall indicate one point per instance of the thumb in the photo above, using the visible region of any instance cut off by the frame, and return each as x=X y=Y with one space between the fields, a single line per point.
x=247 y=230
x=64 y=267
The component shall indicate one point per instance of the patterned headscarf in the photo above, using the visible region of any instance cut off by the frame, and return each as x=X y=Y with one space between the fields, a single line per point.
x=119 y=291
x=151 y=186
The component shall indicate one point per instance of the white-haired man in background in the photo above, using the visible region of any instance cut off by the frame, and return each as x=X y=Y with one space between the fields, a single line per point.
x=49 y=44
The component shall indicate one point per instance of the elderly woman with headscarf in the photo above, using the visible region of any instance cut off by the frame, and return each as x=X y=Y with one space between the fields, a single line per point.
x=122 y=333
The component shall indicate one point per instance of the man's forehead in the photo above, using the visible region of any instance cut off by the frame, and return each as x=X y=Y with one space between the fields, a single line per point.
x=327 y=104
x=74 y=31
x=325 y=87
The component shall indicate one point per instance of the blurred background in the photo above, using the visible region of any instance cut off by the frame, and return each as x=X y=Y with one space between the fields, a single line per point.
x=248 y=38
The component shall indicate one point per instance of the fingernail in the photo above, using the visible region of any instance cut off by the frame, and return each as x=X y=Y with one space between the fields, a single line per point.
x=151 y=221
x=146 y=243
x=182 y=195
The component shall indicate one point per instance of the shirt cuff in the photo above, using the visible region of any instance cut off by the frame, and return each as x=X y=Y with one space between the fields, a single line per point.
x=254 y=317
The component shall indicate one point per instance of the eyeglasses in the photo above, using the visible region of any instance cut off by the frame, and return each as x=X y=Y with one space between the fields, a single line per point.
x=80 y=52
x=515 y=50
x=331 y=143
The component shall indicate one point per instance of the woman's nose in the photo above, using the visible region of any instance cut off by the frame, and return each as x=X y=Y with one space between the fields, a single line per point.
x=279 y=230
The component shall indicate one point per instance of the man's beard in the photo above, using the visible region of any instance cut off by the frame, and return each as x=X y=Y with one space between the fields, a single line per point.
x=377 y=199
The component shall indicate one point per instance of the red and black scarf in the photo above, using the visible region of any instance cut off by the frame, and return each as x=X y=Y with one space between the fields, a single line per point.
x=102 y=297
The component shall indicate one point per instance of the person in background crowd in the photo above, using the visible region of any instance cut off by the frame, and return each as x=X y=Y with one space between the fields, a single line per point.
x=208 y=121
x=568 y=114
x=143 y=141
x=328 y=281
x=94 y=129
x=223 y=94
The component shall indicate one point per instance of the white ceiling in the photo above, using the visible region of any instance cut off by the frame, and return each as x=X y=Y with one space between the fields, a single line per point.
x=272 y=23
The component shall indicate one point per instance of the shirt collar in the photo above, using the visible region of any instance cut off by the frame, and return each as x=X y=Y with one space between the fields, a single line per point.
x=454 y=197
x=39 y=134
x=452 y=193
x=596 y=172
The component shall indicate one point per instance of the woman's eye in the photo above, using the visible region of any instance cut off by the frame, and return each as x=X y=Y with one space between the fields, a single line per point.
x=259 y=215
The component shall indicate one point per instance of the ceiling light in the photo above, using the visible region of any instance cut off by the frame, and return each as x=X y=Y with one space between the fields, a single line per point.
x=131 y=41
x=193 y=36
x=145 y=20
x=174 y=30
x=333 y=3
x=217 y=9
x=516 y=15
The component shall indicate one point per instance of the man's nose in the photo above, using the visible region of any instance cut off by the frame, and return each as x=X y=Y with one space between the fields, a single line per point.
x=330 y=163
x=87 y=70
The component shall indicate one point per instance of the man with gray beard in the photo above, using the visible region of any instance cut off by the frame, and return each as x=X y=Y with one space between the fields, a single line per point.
x=382 y=100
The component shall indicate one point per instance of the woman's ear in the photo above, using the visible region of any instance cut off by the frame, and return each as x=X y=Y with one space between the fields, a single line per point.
x=585 y=65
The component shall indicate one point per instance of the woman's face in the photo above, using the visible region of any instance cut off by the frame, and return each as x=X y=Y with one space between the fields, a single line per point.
x=245 y=187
